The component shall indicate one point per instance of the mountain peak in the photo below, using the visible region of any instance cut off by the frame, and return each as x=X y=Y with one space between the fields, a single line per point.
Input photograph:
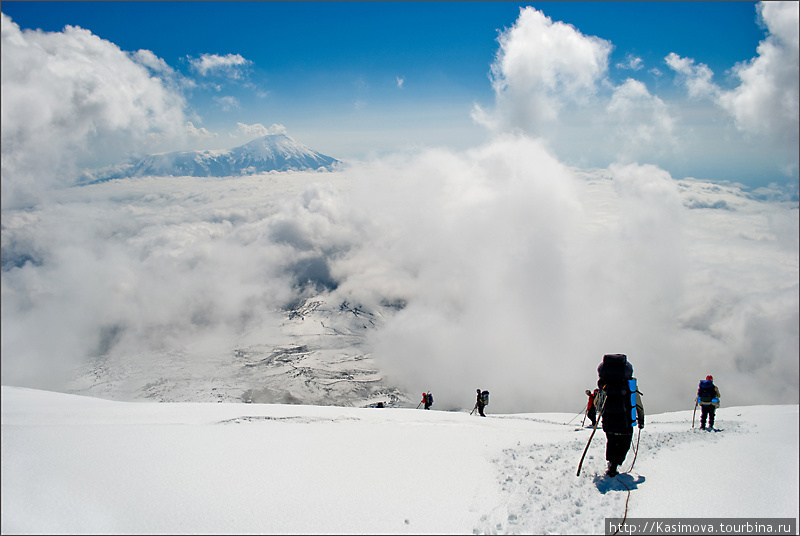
x=272 y=152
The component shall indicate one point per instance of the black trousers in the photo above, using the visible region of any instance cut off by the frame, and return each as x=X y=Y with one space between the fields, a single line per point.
x=707 y=412
x=617 y=446
x=592 y=413
x=480 y=410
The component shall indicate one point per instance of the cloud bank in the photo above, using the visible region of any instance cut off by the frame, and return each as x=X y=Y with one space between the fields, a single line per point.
x=541 y=66
x=766 y=100
x=69 y=96
x=499 y=267
x=553 y=81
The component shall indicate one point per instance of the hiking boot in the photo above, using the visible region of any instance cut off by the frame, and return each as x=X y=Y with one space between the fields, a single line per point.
x=612 y=469
x=702 y=426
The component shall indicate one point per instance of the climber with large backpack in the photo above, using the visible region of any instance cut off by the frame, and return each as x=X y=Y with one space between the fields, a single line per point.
x=708 y=398
x=428 y=398
x=481 y=402
x=619 y=404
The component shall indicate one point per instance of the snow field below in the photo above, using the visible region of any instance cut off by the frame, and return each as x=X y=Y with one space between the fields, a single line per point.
x=81 y=465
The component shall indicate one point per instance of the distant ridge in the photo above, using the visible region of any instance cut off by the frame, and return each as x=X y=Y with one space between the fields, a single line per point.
x=273 y=152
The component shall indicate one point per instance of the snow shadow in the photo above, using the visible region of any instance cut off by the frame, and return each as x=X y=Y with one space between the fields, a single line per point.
x=621 y=482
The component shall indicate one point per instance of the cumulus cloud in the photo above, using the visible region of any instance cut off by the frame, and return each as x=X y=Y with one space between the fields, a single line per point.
x=151 y=61
x=540 y=66
x=506 y=268
x=550 y=80
x=697 y=77
x=503 y=255
x=230 y=65
x=766 y=101
x=199 y=133
x=642 y=123
x=70 y=96
x=632 y=62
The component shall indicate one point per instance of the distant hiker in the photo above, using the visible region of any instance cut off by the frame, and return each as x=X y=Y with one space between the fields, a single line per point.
x=708 y=398
x=427 y=399
x=482 y=401
x=591 y=412
x=620 y=406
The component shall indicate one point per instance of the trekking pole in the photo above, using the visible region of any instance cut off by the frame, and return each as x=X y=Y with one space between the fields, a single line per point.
x=587 y=448
x=572 y=419
x=418 y=405
x=584 y=417
x=694 y=412
x=473 y=409
x=594 y=429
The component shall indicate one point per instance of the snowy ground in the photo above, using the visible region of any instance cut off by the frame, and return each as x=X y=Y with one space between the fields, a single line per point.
x=74 y=464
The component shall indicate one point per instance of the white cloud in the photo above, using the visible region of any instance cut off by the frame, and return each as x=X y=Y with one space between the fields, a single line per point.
x=257 y=130
x=768 y=97
x=199 y=133
x=642 y=122
x=540 y=66
x=550 y=80
x=501 y=253
x=765 y=103
x=151 y=61
x=504 y=255
x=227 y=103
x=400 y=82
x=696 y=77
x=70 y=96
x=214 y=64
x=632 y=62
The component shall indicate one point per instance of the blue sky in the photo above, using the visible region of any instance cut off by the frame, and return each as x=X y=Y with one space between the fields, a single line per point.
x=363 y=79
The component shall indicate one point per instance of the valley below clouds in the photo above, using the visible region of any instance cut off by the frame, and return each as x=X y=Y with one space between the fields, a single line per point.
x=497 y=267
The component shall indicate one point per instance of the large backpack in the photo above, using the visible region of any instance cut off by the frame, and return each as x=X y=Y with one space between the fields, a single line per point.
x=430 y=399
x=485 y=398
x=617 y=397
x=707 y=394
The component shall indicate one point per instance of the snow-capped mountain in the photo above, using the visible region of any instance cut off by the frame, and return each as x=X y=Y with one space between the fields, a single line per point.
x=273 y=152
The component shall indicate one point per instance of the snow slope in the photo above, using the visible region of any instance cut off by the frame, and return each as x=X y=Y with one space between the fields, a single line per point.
x=74 y=464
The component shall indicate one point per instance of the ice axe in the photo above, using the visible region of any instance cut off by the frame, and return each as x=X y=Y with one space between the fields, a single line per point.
x=694 y=412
